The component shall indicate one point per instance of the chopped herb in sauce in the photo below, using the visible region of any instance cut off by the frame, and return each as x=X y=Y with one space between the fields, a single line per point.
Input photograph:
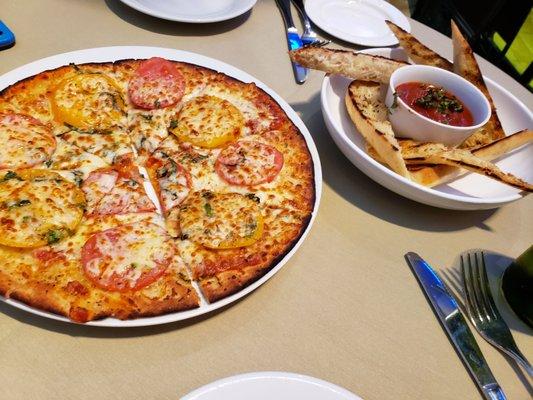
x=435 y=103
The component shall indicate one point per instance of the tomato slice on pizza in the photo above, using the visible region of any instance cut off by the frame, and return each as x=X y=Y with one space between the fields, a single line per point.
x=127 y=257
x=157 y=83
x=248 y=163
x=116 y=190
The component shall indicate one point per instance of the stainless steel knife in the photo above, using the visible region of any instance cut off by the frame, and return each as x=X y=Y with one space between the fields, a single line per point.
x=455 y=325
x=293 y=39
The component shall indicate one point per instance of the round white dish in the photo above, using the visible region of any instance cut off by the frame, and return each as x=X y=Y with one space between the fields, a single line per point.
x=270 y=385
x=360 y=22
x=467 y=192
x=409 y=123
x=193 y=11
x=104 y=54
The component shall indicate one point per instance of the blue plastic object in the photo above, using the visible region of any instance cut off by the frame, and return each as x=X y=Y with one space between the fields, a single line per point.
x=7 y=38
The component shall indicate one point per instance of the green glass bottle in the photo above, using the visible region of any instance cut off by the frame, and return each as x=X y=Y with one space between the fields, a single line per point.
x=517 y=286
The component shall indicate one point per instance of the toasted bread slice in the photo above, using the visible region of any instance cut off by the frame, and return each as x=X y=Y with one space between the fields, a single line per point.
x=465 y=64
x=412 y=151
x=418 y=52
x=464 y=159
x=358 y=66
x=422 y=154
x=501 y=146
x=369 y=114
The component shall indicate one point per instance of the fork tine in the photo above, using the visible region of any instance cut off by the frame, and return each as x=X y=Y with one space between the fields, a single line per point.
x=485 y=288
x=476 y=277
x=469 y=290
x=318 y=43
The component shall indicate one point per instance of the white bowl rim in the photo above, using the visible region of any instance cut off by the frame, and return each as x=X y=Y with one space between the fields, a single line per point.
x=453 y=76
x=457 y=199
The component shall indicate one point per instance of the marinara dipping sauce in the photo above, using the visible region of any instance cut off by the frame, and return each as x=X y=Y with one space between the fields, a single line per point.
x=435 y=103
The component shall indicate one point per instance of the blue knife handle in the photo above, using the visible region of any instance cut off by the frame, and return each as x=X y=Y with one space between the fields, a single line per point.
x=7 y=38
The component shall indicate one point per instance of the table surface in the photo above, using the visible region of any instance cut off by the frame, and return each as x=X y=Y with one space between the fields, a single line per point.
x=346 y=308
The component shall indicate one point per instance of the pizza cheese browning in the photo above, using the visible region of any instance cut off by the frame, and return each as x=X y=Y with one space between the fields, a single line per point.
x=121 y=183
x=26 y=142
x=38 y=207
x=208 y=121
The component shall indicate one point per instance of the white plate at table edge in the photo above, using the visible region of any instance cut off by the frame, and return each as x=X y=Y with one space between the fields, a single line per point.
x=405 y=187
x=104 y=54
x=273 y=383
x=314 y=9
x=243 y=6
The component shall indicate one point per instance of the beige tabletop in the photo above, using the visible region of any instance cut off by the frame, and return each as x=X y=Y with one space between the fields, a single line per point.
x=346 y=308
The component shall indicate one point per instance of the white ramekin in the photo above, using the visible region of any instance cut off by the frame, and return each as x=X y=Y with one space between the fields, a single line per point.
x=406 y=122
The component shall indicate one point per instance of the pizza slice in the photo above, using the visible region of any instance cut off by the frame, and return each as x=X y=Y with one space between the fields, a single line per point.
x=229 y=240
x=157 y=89
x=122 y=266
x=118 y=189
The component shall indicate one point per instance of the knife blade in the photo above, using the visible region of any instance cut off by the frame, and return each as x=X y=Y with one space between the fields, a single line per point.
x=455 y=326
x=293 y=39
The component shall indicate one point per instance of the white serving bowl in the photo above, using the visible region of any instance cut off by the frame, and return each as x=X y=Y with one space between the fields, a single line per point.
x=467 y=192
x=406 y=122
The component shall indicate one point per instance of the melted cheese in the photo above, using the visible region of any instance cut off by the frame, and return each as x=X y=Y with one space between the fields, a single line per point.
x=136 y=251
x=221 y=220
x=25 y=142
x=208 y=122
x=90 y=102
x=38 y=207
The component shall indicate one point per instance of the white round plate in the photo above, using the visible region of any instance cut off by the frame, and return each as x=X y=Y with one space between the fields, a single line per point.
x=467 y=192
x=357 y=21
x=270 y=385
x=104 y=54
x=194 y=11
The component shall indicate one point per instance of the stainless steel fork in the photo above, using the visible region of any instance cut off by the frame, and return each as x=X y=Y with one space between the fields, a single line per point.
x=309 y=36
x=483 y=312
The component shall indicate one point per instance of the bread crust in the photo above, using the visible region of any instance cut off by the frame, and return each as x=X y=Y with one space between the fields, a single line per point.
x=358 y=66
x=417 y=51
x=369 y=114
x=465 y=65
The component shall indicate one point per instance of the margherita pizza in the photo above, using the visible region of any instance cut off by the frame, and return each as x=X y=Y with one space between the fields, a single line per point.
x=123 y=183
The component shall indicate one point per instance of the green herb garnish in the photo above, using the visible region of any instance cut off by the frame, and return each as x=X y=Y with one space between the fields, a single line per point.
x=53 y=236
x=436 y=98
x=394 y=102
x=173 y=123
x=208 y=209
x=11 y=175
